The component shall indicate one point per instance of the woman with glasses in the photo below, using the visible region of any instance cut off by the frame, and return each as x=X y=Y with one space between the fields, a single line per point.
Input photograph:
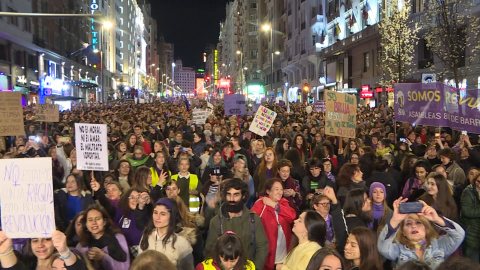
x=276 y=216
x=314 y=181
x=328 y=170
x=321 y=204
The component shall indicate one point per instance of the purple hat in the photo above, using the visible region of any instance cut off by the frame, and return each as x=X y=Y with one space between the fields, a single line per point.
x=377 y=185
x=165 y=201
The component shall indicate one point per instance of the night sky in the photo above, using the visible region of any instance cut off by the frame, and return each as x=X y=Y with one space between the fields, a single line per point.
x=189 y=25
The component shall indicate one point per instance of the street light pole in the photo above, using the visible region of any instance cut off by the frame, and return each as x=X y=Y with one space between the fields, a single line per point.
x=270 y=28
x=173 y=76
x=105 y=25
x=241 y=70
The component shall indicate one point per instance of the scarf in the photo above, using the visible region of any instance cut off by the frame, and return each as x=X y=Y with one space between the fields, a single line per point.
x=377 y=211
x=114 y=249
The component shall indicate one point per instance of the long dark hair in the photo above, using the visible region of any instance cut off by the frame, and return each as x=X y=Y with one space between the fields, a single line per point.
x=173 y=227
x=130 y=173
x=229 y=247
x=70 y=232
x=123 y=202
x=367 y=244
x=305 y=151
x=354 y=203
x=344 y=178
x=316 y=228
x=445 y=204
x=295 y=157
x=317 y=258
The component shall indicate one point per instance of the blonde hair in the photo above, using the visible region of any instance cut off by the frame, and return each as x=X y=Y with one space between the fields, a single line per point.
x=430 y=232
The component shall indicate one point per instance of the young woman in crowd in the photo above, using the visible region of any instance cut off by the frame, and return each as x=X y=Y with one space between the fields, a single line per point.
x=228 y=253
x=439 y=197
x=326 y=259
x=159 y=170
x=102 y=242
x=265 y=170
x=39 y=253
x=329 y=153
x=455 y=173
x=314 y=181
x=71 y=200
x=215 y=162
x=124 y=174
x=350 y=177
x=302 y=146
x=413 y=236
x=258 y=152
x=308 y=237
x=188 y=184
x=161 y=234
x=414 y=187
x=380 y=212
x=361 y=250
x=328 y=169
x=277 y=216
x=281 y=147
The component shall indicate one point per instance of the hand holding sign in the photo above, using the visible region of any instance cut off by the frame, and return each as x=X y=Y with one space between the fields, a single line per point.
x=6 y=244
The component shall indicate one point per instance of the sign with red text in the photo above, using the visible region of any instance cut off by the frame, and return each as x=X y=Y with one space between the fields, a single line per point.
x=263 y=121
x=341 y=114
x=26 y=194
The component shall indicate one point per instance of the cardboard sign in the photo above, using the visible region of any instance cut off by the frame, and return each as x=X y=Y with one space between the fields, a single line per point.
x=263 y=121
x=11 y=114
x=341 y=114
x=235 y=105
x=92 y=147
x=26 y=193
x=320 y=106
x=199 y=116
x=47 y=113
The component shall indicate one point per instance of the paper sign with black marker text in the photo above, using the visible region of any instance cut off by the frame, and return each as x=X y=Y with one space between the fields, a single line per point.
x=92 y=147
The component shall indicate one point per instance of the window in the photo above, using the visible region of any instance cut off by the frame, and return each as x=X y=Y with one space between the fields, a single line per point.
x=12 y=20
x=27 y=25
x=253 y=5
x=366 y=61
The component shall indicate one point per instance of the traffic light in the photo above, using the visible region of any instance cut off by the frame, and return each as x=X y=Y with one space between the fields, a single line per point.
x=207 y=78
x=306 y=87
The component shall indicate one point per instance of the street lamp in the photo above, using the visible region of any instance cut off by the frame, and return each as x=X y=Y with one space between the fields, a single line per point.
x=241 y=70
x=105 y=25
x=267 y=28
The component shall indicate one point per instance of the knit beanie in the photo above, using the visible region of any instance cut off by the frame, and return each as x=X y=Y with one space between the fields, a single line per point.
x=377 y=185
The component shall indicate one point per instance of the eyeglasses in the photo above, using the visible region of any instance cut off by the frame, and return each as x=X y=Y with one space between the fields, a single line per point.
x=125 y=166
x=325 y=204
x=315 y=168
x=327 y=165
x=356 y=158
x=131 y=197
x=269 y=154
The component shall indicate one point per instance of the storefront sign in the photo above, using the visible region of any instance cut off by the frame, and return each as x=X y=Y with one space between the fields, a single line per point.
x=379 y=89
x=348 y=90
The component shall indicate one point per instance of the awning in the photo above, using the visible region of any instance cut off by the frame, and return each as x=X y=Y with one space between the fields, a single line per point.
x=82 y=84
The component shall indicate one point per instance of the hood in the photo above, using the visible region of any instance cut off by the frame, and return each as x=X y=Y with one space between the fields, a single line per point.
x=190 y=234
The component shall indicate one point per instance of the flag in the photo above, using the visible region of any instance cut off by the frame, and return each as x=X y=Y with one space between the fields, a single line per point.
x=187 y=104
x=367 y=6
x=91 y=56
x=322 y=36
x=352 y=20
x=337 y=28
x=365 y=13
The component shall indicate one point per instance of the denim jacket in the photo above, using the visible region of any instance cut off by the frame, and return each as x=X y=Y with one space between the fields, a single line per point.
x=438 y=250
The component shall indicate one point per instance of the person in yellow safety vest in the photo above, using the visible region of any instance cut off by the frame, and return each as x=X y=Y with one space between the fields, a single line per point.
x=158 y=168
x=227 y=254
x=189 y=185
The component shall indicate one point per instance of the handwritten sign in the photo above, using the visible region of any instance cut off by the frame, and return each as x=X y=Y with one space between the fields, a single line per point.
x=26 y=192
x=320 y=106
x=91 y=146
x=235 y=105
x=341 y=114
x=11 y=114
x=47 y=112
x=263 y=120
x=199 y=116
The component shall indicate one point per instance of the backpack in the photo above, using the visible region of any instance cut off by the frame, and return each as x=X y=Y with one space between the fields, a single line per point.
x=252 y=230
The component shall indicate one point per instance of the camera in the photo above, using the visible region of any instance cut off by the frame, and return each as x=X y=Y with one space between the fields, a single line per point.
x=217 y=171
x=403 y=140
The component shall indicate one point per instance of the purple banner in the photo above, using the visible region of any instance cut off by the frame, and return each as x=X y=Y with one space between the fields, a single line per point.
x=255 y=107
x=439 y=105
x=320 y=106
x=235 y=105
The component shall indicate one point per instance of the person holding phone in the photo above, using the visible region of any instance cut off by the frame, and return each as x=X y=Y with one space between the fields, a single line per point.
x=413 y=236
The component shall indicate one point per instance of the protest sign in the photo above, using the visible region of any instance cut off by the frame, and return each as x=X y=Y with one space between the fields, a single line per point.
x=47 y=113
x=11 y=114
x=26 y=192
x=235 y=105
x=263 y=120
x=341 y=114
x=437 y=104
x=199 y=116
x=320 y=106
x=92 y=147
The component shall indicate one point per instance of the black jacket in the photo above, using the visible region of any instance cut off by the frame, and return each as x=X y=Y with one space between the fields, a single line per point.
x=61 y=200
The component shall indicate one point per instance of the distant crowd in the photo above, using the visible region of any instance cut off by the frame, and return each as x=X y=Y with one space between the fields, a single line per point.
x=180 y=195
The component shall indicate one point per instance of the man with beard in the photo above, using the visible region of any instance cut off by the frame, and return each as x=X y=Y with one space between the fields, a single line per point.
x=234 y=216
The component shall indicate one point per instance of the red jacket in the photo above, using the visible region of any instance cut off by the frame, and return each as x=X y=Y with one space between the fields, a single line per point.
x=267 y=215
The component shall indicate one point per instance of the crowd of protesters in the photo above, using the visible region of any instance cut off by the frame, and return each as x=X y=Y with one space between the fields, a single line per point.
x=180 y=195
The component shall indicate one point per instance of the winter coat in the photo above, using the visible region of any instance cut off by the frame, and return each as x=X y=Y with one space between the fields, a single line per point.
x=470 y=215
x=241 y=226
x=456 y=174
x=180 y=254
x=286 y=215
x=433 y=255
